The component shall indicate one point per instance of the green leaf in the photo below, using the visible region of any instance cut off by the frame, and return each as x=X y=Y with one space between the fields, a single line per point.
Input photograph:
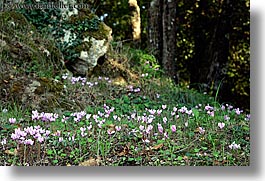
x=180 y=158
x=63 y=155
x=196 y=150
x=215 y=153
x=204 y=148
x=49 y=152
x=131 y=159
x=195 y=112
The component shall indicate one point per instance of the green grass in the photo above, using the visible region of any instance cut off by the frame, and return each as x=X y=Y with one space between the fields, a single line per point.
x=136 y=109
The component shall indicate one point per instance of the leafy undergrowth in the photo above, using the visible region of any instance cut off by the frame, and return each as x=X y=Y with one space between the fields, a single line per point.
x=137 y=127
x=112 y=122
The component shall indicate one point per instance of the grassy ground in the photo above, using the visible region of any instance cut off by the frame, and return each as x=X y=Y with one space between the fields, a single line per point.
x=112 y=122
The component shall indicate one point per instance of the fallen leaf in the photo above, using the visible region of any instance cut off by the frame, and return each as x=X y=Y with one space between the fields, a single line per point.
x=125 y=151
x=9 y=152
x=91 y=162
x=157 y=146
x=111 y=126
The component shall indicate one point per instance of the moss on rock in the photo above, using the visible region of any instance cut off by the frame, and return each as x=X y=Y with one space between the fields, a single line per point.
x=24 y=48
x=25 y=57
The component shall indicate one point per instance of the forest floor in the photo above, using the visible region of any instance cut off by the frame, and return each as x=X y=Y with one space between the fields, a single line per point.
x=148 y=121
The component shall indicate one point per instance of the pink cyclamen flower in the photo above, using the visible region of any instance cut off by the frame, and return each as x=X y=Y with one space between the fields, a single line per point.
x=238 y=112
x=211 y=113
x=221 y=125
x=173 y=128
x=82 y=129
x=35 y=115
x=29 y=142
x=89 y=127
x=3 y=142
x=137 y=90
x=64 y=76
x=159 y=111
x=115 y=117
x=12 y=120
x=208 y=108
x=133 y=116
x=152 y=111
x=149 y=128
x=234 y=146
x=201 y=130
x=40 y=139
x=165 y=135
x=165 y=120
x=150 y=120
x=164 y=106
x=110 y=132
x=223 y=108
x=247 y=118
x=226 y=118
x=57 y=133
x=60 y=139
x=160 y=128
x=47 y=132
x=141 y=127
x=183 y=109
x=146 y=141
x=186 y=124
x=118 y=128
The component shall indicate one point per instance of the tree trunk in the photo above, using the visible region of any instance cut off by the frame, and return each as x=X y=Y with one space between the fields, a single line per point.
x=211 y=51
x=155 y=29
x=162 y=34
x=169 y=38
x=135 y=20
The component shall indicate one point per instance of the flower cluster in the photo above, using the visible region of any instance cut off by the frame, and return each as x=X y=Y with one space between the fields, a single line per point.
x=83 y=81
x=234 y=146
x=30 y=134
x=12 y=120
x=159 y=123
x=132 y=89
x=45 y=117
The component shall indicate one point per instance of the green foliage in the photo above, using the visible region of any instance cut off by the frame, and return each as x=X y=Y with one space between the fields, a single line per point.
x=50 y=21
x=27 y=50
x=192 y=21
x=41 y=18
x=185 y=146
x=145 y=63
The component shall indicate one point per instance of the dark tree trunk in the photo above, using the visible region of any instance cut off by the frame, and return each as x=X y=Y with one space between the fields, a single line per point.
x=211 y=47
x=169 y=38
x=162 y=34
x=155 y=29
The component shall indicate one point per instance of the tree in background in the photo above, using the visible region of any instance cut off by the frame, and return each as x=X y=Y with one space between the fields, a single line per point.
x=214 y=24
x=162 y=34
x=211 y=40
x=135 y=20
x=211 y=37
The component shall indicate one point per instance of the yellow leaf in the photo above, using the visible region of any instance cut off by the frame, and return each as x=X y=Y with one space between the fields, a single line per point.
x=9 y=152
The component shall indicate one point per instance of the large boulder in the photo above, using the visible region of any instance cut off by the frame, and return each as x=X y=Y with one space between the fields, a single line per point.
x=86 y=39
x=80 y=35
